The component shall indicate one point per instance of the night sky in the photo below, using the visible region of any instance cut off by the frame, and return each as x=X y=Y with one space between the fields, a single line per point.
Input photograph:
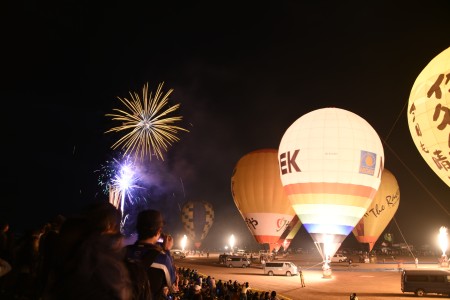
x=242 y=72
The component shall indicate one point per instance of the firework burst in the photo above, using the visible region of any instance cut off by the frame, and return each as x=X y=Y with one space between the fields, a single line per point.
x=149 y=128
x=118 y=178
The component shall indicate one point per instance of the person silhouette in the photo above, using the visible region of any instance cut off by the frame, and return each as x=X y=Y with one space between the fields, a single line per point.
x=302 y=280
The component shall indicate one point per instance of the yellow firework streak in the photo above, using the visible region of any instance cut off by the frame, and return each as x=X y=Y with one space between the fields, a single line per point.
x=149 y=129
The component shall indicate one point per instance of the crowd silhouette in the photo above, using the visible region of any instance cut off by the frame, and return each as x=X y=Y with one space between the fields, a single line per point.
x=83 y=256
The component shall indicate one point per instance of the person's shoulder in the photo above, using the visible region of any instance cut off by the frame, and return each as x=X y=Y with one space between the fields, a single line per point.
x=144 y=246
x=139 y=250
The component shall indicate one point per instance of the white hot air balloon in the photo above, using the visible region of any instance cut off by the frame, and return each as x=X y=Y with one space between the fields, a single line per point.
x=331 y=162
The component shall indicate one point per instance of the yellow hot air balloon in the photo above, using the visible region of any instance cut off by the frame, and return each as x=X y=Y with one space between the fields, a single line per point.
x=331 y=162
x=260 y=198
x=429 y=114
x=380 y=212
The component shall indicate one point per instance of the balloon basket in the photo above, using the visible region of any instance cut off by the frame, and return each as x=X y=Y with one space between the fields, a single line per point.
x=326 y=274
x=444 y=261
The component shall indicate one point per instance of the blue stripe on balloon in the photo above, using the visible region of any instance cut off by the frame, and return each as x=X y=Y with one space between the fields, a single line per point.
x=325 y=228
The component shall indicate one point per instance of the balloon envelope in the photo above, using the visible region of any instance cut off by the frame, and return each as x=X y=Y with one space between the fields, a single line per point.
x=429 y=114
x=380 y=212
x=260 y=198
x=290 y=232
x=197 y=218
x=330 y=164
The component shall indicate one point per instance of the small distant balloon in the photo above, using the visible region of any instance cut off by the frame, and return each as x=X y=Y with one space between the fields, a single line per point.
x=197 y=218
x=429 y=114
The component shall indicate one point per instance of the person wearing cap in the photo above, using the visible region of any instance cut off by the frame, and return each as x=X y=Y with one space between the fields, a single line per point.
x=146 y=249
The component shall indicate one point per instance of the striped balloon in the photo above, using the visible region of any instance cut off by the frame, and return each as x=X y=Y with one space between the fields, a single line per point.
x=197 y=218
x=331 y=162
x=259 y=196
x=290 y=232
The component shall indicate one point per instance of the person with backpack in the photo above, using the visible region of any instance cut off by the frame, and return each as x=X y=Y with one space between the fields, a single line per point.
x=150 y=254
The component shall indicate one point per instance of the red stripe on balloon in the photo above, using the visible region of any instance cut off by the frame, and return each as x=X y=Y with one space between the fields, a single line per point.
x=330 y=188
x=366 y=239
x=269 y=239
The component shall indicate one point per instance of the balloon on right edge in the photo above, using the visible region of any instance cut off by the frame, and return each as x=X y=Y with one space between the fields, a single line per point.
x=380 y=212
x=429 y=114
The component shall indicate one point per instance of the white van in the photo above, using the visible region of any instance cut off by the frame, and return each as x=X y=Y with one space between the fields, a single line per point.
x=237 y=261
x=280 y=268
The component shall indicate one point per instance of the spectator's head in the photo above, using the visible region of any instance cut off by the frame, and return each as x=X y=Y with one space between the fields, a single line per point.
x=165 y=290
x=57 y=222
x=4 y=226
x=149 y=224
x=167 y=241
x=103 y=217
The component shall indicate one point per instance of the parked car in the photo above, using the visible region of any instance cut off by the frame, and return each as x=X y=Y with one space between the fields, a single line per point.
x=338 y=258
x=176 y=253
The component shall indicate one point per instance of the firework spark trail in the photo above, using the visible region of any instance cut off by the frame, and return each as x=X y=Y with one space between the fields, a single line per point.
x=150 y=131
x=182 y=185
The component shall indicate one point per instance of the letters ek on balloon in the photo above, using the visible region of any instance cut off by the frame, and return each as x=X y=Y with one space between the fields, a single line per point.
x=287 y=162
